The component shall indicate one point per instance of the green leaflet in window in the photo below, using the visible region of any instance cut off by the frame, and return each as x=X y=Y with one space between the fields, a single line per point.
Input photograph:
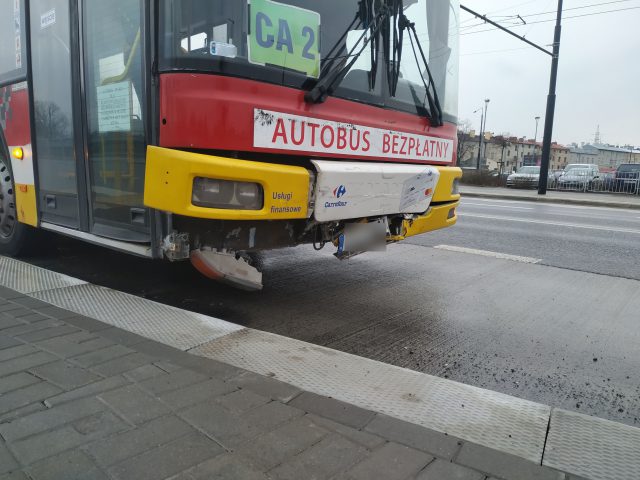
x=285 y=36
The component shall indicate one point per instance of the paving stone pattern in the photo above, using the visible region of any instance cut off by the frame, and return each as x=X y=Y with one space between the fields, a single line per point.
x=82 y=400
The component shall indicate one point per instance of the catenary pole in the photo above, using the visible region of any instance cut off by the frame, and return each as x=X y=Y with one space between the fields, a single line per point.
x=551 y=106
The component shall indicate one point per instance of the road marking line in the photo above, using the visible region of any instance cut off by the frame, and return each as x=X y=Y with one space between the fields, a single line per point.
x=546 y=212
x=487 y=253
x=557 y=224
x=590 y=215
x=555 y=205
x=498 y=206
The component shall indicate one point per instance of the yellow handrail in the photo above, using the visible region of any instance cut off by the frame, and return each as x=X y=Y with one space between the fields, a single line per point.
x=123 y=75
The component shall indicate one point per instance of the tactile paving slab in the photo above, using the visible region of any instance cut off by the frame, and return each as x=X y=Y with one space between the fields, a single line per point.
x=25 y=278
x=169 y=325
x=482 y=416
x=592 y=447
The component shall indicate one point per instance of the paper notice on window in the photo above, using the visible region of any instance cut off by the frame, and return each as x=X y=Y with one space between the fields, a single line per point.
x=114 y=107
x=48 y=18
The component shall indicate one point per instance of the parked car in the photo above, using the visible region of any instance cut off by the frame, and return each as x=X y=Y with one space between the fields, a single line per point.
x=580 y=178
x=608 y=181
x=591 y=166
x=627 y=178
x=554 y=175
x=524 y=177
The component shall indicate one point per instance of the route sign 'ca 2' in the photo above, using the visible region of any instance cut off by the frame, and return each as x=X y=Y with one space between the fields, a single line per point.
x=285 y=36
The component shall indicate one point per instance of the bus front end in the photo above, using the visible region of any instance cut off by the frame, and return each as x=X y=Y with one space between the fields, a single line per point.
x=300 y=122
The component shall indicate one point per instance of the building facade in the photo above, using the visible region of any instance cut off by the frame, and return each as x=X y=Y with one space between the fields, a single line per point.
x=559 y=156
x=506 y=154
x=607 y=157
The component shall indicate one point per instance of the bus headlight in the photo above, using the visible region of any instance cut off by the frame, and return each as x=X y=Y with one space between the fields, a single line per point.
x=226 y=194
x=455 y=187
x=249 y=195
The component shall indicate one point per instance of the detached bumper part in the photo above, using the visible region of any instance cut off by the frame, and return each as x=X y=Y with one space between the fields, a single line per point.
x=227 y=268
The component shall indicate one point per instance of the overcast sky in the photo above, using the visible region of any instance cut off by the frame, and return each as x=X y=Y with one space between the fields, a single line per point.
x=598 y=79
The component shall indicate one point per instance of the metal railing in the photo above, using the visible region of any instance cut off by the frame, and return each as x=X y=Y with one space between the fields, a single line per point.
x=603 y=183
x=623 y=183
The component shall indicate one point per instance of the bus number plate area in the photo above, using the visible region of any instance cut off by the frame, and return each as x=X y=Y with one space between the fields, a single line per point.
x=346 y=190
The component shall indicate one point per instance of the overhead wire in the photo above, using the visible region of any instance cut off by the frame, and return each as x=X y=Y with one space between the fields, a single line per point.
x=553 y=20
x=516 y=17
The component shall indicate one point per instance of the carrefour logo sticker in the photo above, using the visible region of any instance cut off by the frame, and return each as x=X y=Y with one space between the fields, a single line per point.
x=340 y=191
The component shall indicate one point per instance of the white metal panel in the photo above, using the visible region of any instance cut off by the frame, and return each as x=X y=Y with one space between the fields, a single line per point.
x=284 y=131
x=347 y=190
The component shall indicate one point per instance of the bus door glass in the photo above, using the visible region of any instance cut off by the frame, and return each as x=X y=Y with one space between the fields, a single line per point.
x=53 y=112
x=115 y=111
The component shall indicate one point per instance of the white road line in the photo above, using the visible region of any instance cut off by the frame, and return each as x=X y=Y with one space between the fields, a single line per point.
x=547 y=212
x=498 y=206
x=487 y=253
x=557 y=224
x=592 y=215
x=544 y=204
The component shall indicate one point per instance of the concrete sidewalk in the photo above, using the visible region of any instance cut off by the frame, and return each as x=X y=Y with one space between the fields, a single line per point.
x=80 y=399
x=613 y=200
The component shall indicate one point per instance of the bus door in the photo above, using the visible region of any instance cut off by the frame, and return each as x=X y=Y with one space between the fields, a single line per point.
x=55 y=142
x=114 y=93
x=89 y=91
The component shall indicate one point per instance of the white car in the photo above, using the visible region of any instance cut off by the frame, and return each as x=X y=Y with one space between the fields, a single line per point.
x=524 y=177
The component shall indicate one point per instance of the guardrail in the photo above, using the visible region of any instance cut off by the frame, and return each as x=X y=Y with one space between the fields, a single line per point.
x=606 y=184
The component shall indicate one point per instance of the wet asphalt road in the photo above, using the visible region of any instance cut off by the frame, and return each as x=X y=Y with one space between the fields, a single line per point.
x=590 y=239
x=564 y=331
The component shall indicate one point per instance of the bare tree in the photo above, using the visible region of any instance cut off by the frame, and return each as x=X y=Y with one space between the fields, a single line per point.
x=465 y=144
x=50 y=120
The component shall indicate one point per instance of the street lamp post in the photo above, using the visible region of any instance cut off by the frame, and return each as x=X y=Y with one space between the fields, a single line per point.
x=483 y=124
x=480 y=135
x=535 y=140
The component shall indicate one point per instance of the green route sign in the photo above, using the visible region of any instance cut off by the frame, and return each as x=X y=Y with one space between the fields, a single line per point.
x=285 y=36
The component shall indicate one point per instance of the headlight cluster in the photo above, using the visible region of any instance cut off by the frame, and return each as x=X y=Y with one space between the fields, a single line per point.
x=226 y=194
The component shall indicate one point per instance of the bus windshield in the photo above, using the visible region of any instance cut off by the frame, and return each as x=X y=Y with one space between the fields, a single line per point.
x=288 y=43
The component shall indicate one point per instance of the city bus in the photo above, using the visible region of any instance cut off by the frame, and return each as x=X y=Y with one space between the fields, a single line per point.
x=210 y=131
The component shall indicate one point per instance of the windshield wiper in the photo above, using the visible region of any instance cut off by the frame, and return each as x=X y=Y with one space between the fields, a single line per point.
x=333 y=74
x=386 y=11
x=435 y=109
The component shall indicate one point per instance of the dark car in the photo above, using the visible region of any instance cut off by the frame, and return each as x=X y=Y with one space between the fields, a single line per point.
x=579 y=178
x=628 y=178
x=608 y=181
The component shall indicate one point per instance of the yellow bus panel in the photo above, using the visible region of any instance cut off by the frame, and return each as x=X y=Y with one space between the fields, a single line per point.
x=170 y=175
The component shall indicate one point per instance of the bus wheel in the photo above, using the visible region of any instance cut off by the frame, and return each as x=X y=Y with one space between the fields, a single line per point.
x=15 y=237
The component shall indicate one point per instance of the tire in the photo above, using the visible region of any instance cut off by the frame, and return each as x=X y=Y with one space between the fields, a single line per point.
x=15 y=238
